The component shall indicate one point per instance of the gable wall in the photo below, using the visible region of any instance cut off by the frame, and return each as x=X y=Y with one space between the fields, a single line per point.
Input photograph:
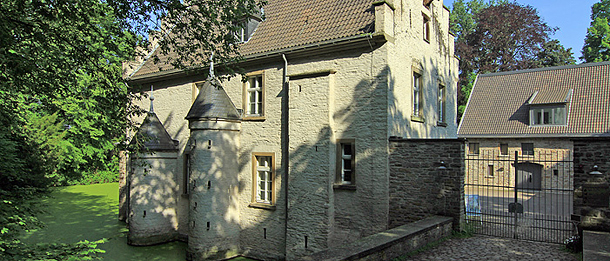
x=437 y=63
x=549 y=152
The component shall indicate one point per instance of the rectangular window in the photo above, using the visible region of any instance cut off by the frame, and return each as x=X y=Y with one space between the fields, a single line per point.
x=490 y=170
x=527 y=149
x=263 y=173
x=555 y=115
x=473 y=148
x=426 y=29
x=441 y=104
x=503 y=148
x=254 y=96
x=346 y=162
x=417 y=95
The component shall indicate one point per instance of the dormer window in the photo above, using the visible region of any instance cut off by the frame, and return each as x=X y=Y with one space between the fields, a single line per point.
x=248 y=26
x=548 y=115
x=549 y=108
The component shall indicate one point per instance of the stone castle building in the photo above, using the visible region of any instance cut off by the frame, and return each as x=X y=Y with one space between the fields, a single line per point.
x=297 y=158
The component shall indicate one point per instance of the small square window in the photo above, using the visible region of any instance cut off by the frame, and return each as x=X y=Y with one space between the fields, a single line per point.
x=527 y=149
x=503 y=148
x=263 y=181
x=473 y=148
x=254 y=96
x=346 y=162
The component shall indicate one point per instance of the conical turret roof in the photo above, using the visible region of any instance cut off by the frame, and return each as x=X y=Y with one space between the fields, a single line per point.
x=153 y=136
x=212 y=103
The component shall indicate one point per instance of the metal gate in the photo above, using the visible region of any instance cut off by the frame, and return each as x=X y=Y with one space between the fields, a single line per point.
x=524 y=197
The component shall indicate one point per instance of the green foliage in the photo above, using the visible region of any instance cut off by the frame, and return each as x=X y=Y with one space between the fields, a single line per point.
x=497 y=36
x=597 y=40
x=554 y=54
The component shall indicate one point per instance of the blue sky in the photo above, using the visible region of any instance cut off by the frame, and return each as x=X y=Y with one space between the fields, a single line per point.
x=572 y=17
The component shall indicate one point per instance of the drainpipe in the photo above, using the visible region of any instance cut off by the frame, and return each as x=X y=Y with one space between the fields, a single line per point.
x=285 y=149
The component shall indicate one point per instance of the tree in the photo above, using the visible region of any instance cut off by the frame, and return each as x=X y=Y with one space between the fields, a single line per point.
x=507 y=37
x=66 y=57
x=554 y=54
x=64 y=104
x=463 y=22
x=497 y=36
x=597 y=40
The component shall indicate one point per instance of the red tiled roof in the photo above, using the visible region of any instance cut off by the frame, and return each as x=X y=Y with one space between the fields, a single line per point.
x=498 y=105
x=292 y=23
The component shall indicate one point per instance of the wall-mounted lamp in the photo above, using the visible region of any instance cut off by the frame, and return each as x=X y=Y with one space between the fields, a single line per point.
x=442 y=166
x=595 y=171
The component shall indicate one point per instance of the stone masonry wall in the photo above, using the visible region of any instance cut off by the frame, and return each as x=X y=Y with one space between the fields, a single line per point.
x=418 y=188
x=588 y=153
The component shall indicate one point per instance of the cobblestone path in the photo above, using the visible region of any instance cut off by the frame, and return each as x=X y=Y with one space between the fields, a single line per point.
x=492 y=248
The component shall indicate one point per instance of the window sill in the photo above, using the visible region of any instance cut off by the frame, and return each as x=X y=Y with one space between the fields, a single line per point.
x=426 y=40
x=345 y=186
x=261 y=206
x=417 y=118
x=503 y=156
x=253 y=118
x=441 y=124
x=489 y=177
x=473 y=154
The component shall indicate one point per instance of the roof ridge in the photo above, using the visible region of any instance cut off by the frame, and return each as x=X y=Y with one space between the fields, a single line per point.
x=553 y=68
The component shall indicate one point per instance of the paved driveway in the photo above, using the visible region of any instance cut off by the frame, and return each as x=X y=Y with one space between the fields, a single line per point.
x=491 y=248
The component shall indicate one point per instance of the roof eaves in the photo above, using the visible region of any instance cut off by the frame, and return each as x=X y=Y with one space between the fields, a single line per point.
x=523 y=135
x=376 y=37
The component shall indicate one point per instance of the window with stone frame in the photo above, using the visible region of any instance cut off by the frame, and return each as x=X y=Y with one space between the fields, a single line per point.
x=527 y=149
x=504 y=149
x=473 y=148
x=254 y=96
x=426 y=28
x=346 y=164
x=263 y=180
x=417 y=96
x=442 y=99
x=427 y=3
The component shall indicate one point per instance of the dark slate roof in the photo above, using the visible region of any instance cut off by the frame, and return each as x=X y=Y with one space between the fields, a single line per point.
x=294 y=23
x=153 y=135
x=499 y=103
x=212 y=103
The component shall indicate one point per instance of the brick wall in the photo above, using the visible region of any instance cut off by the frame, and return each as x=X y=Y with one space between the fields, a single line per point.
x=588 y=153
x=418 y=188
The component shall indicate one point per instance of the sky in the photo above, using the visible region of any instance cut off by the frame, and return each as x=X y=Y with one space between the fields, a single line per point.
x=571 y=17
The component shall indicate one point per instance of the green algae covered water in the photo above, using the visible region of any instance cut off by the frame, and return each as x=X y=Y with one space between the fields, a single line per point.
x=90 y=212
